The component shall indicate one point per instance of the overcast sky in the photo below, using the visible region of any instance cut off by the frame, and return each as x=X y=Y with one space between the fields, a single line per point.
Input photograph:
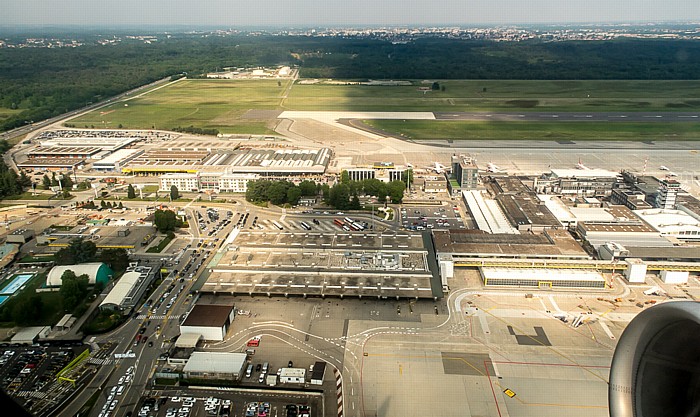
x=232 y=13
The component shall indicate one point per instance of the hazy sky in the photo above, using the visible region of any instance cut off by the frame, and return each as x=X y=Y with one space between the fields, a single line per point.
x=339 y=12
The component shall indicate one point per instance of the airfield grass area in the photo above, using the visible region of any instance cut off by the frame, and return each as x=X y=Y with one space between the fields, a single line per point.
x=569 y=131
x=230 y=105
x=209 y=104
x=501 y=95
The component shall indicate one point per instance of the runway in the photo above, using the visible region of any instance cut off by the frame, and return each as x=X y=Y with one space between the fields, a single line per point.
x=636 y=117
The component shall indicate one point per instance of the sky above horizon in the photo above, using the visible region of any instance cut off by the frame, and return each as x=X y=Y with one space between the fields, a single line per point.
x=231 y=13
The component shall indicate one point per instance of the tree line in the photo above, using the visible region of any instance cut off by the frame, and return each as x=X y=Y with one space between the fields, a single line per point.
x=345 y=195
x=43 y=82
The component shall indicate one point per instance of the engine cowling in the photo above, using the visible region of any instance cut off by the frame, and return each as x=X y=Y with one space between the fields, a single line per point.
x=656 y=366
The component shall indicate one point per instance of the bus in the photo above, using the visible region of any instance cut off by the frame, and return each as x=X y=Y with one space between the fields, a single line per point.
x=277 y=225
x=305 y=226
x=338 y=222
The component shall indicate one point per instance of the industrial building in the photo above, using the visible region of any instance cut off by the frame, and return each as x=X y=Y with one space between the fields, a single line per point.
x=208 y=320
x=521 y=206
x=577 y=182
x=96 y=272
x=215 y=366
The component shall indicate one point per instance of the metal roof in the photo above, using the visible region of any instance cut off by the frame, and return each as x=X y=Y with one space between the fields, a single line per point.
x=215 y=362
x=208 y=315
x=122 y=289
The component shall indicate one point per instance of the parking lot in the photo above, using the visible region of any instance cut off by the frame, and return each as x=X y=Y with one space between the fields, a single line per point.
x=28 y=374
x=235 y=402
x=432 y=217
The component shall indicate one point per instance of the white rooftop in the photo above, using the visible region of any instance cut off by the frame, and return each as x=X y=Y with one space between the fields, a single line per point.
x=215 y=362
x=121 y=289
x=118 y=156
x=584 y=173
x=542 y=274
x=671 y=222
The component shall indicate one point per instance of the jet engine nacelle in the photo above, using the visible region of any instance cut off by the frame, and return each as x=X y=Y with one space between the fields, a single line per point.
x=656 y=366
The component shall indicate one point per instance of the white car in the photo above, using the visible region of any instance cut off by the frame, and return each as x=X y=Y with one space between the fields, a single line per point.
x=130 y=370
x=176 y=399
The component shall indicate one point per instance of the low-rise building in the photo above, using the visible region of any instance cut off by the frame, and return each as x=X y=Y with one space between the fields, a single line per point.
x=578 y=182
x=212 y=321
x=20 y=236
x=292 y=375
x=215 y=366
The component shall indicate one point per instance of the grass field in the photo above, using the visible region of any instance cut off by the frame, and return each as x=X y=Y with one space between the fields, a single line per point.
x=502 y=95
x=217 y=104
x=469 y=130
x=224 y=104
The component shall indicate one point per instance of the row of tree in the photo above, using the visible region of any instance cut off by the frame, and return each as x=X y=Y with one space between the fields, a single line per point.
x=10 y=183
x=345 y=195
x=279 y=192
x=167 y=220
x=43 y=82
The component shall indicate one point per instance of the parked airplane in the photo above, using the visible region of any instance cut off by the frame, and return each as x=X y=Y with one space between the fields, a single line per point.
x=491 y=167
x=581 y=166
x=438 y=168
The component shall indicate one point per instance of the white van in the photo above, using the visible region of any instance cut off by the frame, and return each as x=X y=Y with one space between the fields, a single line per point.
x=249 y=371
x=265 y=367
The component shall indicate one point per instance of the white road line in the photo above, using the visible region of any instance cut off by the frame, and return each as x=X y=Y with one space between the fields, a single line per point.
x=606 y=329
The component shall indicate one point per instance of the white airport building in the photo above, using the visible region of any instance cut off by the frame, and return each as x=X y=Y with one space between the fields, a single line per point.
x=219 y=183
x=672 y=223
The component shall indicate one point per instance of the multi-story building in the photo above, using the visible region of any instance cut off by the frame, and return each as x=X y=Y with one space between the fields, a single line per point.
x=216 y=182
x=668 y=191
x=465 y=172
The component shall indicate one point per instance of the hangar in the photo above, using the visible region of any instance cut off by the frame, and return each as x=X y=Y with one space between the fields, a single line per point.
x=209 y=320
x=96 y=272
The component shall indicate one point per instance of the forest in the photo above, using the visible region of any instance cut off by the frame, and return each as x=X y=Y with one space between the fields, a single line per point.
x=38 y=83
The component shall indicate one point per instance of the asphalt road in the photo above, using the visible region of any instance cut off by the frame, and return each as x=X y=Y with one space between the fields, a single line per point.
x=572 y=116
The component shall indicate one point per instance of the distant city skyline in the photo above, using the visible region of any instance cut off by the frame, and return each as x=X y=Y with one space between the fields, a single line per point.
x=336 y=13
